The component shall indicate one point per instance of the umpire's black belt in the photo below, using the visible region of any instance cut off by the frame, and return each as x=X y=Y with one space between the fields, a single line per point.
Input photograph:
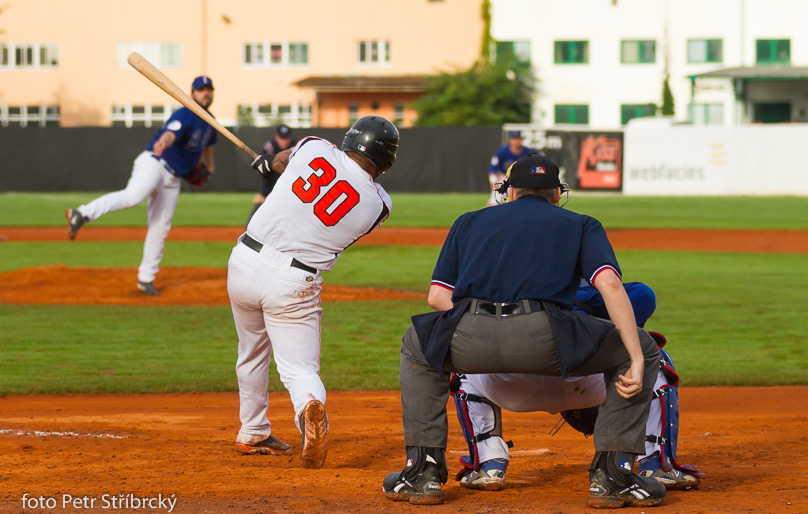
x=504 y=309
x=255 y=245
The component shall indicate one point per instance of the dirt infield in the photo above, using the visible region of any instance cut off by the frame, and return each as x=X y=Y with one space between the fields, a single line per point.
x=750 y=442
x=764 y=241
x=64 y=285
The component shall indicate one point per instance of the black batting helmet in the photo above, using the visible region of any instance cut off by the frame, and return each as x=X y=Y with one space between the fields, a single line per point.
x=375 y=138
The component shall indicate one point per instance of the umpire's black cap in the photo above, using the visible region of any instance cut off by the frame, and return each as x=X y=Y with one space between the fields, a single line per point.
x=533 y=171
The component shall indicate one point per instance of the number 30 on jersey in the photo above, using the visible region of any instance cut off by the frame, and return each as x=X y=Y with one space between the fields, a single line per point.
x=337 y=201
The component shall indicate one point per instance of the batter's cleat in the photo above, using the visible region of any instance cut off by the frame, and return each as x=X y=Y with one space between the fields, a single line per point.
x=313 y=422
x=74 y=222
x=613 y=485
x=490 y=477
x=147 y=288
x=424 y=489
x=269 y=446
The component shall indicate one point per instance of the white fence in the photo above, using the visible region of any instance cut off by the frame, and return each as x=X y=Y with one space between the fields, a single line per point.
x=688 y=160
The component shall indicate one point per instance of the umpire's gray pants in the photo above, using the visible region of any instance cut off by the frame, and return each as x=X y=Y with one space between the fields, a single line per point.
x=521 y=344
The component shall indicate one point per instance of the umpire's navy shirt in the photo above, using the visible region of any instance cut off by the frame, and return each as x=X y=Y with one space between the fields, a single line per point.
x=193 y=134
x=525 y=249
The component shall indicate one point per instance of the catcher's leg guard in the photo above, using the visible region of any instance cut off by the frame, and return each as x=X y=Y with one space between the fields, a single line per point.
x=663 y=434
x=461 y=399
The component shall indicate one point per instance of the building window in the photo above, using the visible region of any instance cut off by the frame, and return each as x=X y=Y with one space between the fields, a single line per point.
x=773 y=51
x=253 y=53
x=29 y=56
x=298 y=53
x=398 y=113
x=276 y=53
x=571 y=52
x=572 y=114
x=705 y=50
x=24 y=115
x=353 y=113
x=706 y=114
x=162 y=55
x=373 y=53
x=638 y=52
x=279 y=54
x=509 y=51
x=267 y=115
x=127 y=115
x=631 y=111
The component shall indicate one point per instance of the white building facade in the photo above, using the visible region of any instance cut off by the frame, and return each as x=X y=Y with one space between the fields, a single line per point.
x=600 y=63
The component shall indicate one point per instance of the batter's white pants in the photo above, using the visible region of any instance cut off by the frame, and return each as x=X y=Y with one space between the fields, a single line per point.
x=276 y=308
x=150 y=179
x=531 y=393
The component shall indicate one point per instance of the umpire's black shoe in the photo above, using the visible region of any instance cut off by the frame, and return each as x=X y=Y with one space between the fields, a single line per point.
x=613 y=484
x=420 y=482
x=147 y=288
x=74 y=222
x=424 y=489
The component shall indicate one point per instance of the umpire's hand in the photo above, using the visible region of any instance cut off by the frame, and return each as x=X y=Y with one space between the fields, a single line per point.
x=631 y=383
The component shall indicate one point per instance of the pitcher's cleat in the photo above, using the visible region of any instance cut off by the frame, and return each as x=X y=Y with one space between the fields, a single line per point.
x=74 y=222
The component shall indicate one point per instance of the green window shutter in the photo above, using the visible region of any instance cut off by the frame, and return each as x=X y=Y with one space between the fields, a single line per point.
x=771 y=51
x=572 y=114
x=715 y=51
x=631 y=111
x=571 y=52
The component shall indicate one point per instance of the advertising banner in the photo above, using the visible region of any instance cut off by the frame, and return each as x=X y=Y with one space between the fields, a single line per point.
x=589 y=160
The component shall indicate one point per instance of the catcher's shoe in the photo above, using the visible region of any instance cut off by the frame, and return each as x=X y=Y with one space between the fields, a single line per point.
x=313 y=424
x=269 y=446
x=674 y=480
x=147 y=288
x=490 y=476
x=612 y=484
x=424 y=489
x=74 y=222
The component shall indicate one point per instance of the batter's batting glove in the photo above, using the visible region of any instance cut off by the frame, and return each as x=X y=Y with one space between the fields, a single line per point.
x=263 y=164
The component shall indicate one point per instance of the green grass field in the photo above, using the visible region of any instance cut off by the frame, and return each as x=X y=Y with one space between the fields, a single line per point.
x=731 y=318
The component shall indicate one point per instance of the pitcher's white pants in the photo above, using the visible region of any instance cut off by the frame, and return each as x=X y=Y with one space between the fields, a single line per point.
x=150 y=179
x=276 y=307
x=531 y=393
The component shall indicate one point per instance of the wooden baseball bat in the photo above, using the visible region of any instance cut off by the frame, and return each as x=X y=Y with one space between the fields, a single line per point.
x=148 y=70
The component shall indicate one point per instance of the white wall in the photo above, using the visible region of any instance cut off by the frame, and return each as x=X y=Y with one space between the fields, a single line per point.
x=688 y=160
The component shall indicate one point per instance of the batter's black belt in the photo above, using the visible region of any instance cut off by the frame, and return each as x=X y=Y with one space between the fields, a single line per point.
x=252 y=244
x=504 y=309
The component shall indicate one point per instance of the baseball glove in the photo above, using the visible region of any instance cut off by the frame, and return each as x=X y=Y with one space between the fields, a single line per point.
x=198 y=175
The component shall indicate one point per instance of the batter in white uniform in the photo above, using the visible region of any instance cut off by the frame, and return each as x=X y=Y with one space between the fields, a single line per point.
x=325 y=199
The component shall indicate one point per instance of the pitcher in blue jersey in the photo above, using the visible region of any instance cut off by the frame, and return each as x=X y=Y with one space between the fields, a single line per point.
x=182 y=142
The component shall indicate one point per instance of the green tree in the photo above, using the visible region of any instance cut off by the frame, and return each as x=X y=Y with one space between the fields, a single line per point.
x=488 y=41
x=667 y=98
x=487 y=93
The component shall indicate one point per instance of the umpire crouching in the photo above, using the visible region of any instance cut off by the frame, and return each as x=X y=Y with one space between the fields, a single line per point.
x=502 y=289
